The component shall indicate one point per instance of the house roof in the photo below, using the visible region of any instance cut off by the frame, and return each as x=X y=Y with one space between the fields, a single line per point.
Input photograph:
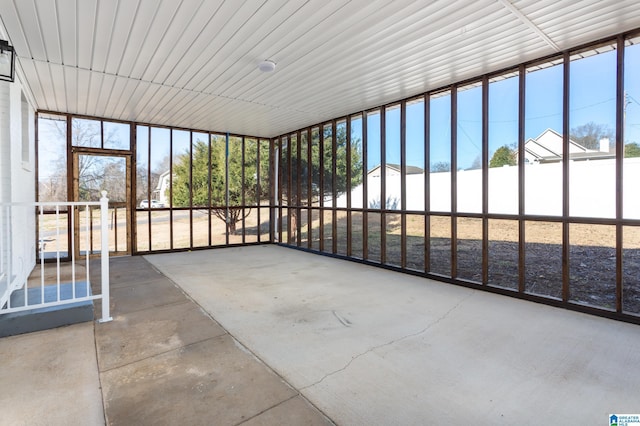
x=193 y=63
x=411 y=170
x=547 y=148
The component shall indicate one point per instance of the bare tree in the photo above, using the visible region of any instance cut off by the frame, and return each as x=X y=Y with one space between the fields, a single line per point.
x=589 y=135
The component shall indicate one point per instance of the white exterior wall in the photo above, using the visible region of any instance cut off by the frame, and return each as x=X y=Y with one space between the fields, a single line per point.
x=17 y=178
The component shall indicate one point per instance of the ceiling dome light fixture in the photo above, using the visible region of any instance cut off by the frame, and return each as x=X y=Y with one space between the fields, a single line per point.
x=267 y=66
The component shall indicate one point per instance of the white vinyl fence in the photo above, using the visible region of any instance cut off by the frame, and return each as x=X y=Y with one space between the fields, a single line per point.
x=592 y=190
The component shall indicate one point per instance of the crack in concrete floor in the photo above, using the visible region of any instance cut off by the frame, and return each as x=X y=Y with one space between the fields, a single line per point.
x=391 y=342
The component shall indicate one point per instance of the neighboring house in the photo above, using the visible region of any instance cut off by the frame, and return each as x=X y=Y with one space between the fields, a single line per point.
x=161 y=193
x=547 y=148
x=394 y=170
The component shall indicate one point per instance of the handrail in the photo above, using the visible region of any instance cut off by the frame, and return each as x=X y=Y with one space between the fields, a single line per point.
x=79 y=292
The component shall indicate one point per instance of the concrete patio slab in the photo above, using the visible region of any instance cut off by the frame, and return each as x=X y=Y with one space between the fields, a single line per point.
x=134 y=297
x=293 y=412
x=209 y=382
x=50 y=378
x=141 y=334
x=371 y=346
x=125 y=271
x=164 y=360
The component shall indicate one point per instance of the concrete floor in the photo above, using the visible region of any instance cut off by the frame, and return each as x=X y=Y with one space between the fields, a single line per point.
x=161 y=361
x=273 y=336
x=369 y=346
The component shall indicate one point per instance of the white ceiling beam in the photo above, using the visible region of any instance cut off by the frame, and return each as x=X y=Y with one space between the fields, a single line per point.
x=507 y=4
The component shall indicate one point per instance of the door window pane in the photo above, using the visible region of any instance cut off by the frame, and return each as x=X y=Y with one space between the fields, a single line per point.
x=117 y=135
x=86 y=133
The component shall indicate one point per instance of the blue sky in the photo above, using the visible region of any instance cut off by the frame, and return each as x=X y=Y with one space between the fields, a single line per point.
x=592 y=99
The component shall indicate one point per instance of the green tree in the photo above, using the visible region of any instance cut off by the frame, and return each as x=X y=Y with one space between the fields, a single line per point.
x=632 y=150
x=504 y=156
x=289 y=176
x=341 y=168
x=191 y=178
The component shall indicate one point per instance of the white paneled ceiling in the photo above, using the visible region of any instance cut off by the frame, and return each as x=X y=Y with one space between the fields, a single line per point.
x=193 y=63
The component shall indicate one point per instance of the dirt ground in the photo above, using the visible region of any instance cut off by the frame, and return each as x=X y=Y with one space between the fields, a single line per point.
x=592 y=256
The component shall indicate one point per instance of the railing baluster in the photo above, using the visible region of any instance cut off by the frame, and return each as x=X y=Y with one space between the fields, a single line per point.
x=57 y=253
x=73 y=250
x=86 y=231
x=9 y=252
x=104 y=256
x=6 y=266
x=41 y=252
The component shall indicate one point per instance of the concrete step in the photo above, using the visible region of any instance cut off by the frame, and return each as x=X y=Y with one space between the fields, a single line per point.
x=45 y=318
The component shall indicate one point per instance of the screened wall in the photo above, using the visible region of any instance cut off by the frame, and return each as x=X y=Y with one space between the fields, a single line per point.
x=523 y=182
x=169 y=189
x=199 y=189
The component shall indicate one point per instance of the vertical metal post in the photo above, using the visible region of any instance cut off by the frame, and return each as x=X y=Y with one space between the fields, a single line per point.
x=298 y=197
x=309 y=190
x=104 y=257
x=485 y=180
x=403 y=184
x=521 y=187
x=274 y=227
x=290 y=202
x=258 y=190
x=454 y=181
x=383 y=184
x=620 y=99
x=243 y=200
x=321 y=190
x=427 y=183
x=334 y=192
x=149 y=187
x=565 y=179
x=365 y=189
x=226 y=180
x=209 y=189
x=348 y=185
x=170 y=190
x=191 y=189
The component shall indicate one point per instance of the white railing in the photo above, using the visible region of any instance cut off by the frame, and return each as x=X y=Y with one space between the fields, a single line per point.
x=59 y=220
